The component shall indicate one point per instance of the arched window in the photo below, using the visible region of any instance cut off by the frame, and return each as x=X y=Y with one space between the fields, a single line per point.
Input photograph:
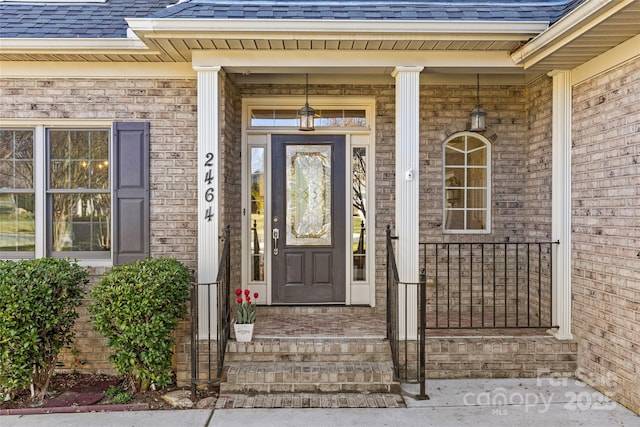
x=467 y=184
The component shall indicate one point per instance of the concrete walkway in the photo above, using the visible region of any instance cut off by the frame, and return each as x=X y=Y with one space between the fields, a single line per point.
x=478 y=403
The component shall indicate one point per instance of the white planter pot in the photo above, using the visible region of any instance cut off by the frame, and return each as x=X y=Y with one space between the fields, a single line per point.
x=244 y=332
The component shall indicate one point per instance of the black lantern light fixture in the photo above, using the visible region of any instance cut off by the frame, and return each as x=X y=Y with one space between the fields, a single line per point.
x=306 y=113
x=478 y=115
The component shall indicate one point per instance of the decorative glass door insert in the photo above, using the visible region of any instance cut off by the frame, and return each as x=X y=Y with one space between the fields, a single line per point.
x=308 y=197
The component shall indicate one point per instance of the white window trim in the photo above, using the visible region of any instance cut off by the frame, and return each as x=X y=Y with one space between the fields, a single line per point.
x=40 y=177
x=488 y=228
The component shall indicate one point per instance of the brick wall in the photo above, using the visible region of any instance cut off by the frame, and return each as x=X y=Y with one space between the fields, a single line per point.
x=514 y=146
x=496 y=357
x=606 y=231
x=538 y=179
x=538 y=161
x=444 y=111
x=170 y=106
x=231 y=134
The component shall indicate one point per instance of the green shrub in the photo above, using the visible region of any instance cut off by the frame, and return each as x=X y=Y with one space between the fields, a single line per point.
x=38 y=300
x=137 y=307
x=115 y=394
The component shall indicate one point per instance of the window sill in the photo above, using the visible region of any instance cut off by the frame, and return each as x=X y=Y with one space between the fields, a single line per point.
x=95 y=262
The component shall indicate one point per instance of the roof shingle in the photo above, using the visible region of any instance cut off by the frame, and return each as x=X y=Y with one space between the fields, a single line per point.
x=107 y=20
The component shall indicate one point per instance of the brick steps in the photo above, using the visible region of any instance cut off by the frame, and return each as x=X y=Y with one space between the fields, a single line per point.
x=310 y=400
x=309 y=350
x=316 y=366
x=309 y=377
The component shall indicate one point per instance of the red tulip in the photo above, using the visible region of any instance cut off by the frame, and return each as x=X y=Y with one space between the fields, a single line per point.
x=238 y=292
x=246 y=292
x=248 y=298
x=255 y=295
x=239 y=300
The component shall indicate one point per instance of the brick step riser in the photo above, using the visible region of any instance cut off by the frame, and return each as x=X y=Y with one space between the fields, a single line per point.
x=311 y=377
x=228 y=388
x=303 y=347
x=308 y=376
x=309 y=400
x=307 y=357
x=309 y=366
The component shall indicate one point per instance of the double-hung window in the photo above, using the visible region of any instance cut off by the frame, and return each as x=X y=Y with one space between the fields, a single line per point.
x=17 y=194
x=77 y=192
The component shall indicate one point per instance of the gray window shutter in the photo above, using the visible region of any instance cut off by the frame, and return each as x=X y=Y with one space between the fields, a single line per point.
x=131 y=191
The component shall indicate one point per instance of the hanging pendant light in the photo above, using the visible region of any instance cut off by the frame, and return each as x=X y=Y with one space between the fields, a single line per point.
x=478 y=115
x=306 y=113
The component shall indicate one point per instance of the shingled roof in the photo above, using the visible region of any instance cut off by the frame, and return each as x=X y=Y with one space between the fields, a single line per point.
x=471 y=10
x=107 y=20
x=73 y=20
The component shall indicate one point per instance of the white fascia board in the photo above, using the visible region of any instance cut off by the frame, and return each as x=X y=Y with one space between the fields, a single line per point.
x=331 y=29
x=73 y=45
x=103 y=70
x=582 y=19
x=360 y=59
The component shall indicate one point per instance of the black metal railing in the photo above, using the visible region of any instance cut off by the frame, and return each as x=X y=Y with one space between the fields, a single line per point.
x=202 y=366
x=393 y=332
x=465 y=286
x=488 y=285
x=398 y=308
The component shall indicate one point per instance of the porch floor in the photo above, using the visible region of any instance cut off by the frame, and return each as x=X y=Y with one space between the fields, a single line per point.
x=297 y=322
x=329 y=324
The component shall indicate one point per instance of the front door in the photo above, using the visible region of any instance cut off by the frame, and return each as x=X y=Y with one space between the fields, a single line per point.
x=308 y=219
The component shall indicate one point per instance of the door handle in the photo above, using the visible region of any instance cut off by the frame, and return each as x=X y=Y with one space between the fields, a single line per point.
x=276 y=235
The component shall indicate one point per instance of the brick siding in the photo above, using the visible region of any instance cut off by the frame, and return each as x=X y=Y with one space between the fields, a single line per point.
x=170 y=106
x=496 y=357
x=606 y=231
x=444 y=111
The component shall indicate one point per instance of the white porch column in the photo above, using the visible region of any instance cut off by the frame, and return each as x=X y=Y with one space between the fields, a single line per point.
x=208 y=185
x=561 y=202
x=407 y=187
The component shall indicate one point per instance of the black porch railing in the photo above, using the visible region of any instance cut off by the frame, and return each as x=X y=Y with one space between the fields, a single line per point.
x=398 y=296
x=488 y=285
x=202 y=368
x=466 y=286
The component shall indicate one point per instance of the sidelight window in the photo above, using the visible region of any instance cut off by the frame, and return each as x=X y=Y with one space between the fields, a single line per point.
x=359 y=213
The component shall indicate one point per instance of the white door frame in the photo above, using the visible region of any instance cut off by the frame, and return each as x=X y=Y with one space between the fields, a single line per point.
x=357 y=293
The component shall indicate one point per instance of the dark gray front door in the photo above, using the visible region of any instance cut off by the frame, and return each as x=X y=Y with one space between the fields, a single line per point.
x=308 y=219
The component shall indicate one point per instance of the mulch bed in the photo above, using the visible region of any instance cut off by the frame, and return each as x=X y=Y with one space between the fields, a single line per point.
x=85 y=392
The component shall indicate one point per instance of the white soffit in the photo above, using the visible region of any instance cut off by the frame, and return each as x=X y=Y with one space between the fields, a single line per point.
x=178 y=38
x=74 y=50
x=70 y=46
x=171 y=40
x=588 y=31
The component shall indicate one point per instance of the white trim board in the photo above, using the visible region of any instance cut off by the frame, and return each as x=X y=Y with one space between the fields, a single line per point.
x=106 y=70
x=625 y=52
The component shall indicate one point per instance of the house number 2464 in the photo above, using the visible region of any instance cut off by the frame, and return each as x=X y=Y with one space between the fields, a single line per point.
x=209 y=192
